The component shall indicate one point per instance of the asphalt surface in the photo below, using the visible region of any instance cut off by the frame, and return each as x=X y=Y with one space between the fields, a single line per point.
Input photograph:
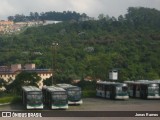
x=97 y=104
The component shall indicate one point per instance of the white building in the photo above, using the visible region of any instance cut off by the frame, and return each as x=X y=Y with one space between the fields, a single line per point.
x=9 y=75
x=113 y=75
x=47 y=22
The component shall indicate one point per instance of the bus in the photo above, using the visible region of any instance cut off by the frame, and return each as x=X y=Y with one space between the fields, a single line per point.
x=144 y=89
x=55 y=97
x=112 y=90
x=74 y=93
x=32 y=97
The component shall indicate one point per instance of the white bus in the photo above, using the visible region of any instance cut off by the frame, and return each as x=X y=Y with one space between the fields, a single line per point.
x=74 y=93
x=144 y=89
x=32 y=97
x=112 y=90
x=55 y=97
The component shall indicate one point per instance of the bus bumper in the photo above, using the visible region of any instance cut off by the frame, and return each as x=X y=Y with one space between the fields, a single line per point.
x=75 y=103
x=34 y=107
x=60 y=107
x=153 y=97
x=122 y=97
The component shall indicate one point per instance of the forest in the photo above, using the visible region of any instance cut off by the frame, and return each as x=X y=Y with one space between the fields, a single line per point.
x=129 y=43
x=51 y=15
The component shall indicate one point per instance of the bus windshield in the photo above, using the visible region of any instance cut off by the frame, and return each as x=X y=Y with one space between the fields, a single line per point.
x=74 y=94
x=34 y=98
x=59 y=96
x=121 y=90
x=124 y=89
x=153 y=89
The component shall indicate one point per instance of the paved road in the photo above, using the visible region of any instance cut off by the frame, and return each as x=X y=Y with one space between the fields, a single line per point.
x=98 y=104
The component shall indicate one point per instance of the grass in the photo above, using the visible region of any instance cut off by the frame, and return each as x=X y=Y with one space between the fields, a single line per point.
x=9 y=99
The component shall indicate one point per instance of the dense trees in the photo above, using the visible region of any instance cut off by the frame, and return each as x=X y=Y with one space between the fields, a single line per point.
x=141 y=17
x=130 y=43
x=52 y=15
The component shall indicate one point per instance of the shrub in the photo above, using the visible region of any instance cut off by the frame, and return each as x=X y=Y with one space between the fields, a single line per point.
x=88 y=93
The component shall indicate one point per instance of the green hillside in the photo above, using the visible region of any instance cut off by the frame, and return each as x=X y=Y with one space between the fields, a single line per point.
x=130 y=43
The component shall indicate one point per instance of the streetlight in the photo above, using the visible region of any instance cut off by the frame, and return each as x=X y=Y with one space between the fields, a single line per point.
x=54 y=44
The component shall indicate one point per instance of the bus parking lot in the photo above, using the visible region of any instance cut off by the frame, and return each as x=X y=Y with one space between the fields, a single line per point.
x=100 y=104
x=97 y=104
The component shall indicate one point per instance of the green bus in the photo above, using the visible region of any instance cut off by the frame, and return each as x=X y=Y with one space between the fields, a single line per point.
x=74 y=93
x=112 y=90
x=55 y=97
x=32 y=97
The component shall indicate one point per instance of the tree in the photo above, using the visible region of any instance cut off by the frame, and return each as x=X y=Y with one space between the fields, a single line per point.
x=107 y=18
x=11 y=18
x=2 y=83
x=24 y=79
x=34 y=16
x=58 y=78
x=130 y=43
x=101 y=16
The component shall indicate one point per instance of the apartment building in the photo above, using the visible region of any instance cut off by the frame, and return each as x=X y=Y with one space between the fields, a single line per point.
x=6 y=26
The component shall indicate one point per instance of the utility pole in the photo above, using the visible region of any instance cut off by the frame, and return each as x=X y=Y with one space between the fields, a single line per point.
x=54 y=45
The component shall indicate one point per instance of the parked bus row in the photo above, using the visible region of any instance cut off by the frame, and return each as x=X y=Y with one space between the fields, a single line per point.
x=55 y=97
x=62 y=95
x=144 y=89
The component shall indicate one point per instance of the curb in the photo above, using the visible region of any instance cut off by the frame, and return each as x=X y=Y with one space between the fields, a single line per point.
x=5 y=104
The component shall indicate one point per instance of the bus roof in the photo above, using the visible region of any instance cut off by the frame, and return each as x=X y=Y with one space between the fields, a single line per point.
x=144 y=82
x=156 y=81
x=53 y=88
x=105 y=82
x=30 y=88
x=65 y=86
x=109 y=83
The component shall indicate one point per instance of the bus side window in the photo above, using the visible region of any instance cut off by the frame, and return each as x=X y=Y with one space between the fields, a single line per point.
x=103 y=87
x=130 y=87
x=138 y=88
x=98 y=87
x=107 y=88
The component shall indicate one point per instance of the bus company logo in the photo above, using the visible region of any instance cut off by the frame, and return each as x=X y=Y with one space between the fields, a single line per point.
x=6 y=114
x=19 y=114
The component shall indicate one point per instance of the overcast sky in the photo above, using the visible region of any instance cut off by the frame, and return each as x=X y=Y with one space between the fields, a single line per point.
x=91 y=7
